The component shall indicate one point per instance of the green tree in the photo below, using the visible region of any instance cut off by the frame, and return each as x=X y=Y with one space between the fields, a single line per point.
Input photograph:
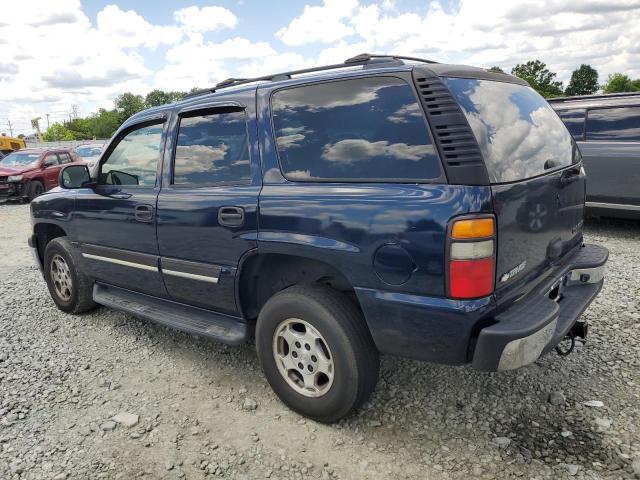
x=57 y=132
x=129 y=104
x=618 y=82
x=496 y=69
x=584 y=81
x=80 y=127
x=155 y=98
x=539 y=77
x=104 y=123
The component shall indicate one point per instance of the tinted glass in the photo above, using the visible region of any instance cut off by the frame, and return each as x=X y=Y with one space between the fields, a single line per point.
x=52 y=159
x=574 y=120
x=622 y=124
x=64 y=158
x=134 y=159
x=518 y=132
x=212 y=149
x=365 y=129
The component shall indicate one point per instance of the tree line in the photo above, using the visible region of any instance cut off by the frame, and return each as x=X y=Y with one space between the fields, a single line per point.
x=584 y=80
x=104 y=123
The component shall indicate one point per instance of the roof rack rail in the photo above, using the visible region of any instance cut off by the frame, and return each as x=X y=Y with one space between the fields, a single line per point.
x=363 y=59
x=595 y=95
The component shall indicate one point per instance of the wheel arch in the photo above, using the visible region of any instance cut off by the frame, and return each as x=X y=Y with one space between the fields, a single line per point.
x=44 y=233
x=262 y=275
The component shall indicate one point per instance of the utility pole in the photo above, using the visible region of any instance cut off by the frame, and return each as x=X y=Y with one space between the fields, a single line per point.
x=47 y=121
x=10 y=128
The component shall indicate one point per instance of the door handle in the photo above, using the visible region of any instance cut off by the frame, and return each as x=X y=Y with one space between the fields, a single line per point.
x=231 y=216
x=143 y=213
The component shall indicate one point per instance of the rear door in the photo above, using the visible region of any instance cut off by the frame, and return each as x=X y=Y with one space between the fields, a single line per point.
x=534 y=166
x=207 y=208
x=115 y=221
x=611 y=156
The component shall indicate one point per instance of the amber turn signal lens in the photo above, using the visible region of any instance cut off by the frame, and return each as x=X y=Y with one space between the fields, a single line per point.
x=473 y=228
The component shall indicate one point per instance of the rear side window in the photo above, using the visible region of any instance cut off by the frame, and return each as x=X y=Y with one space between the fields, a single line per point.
x=617 y=124
x=368 y=129
x=574 y=120
x=64 y=157
x=212 y=149
x=519 y=134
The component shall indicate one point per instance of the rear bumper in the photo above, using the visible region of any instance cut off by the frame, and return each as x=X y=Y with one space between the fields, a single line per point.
x=537 y=323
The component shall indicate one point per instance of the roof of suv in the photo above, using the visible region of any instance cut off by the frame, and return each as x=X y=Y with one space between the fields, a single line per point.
x=599 y=100
x=354 y=66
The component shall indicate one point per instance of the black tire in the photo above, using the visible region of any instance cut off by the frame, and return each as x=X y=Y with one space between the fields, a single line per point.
x=80 y=298
x=355 y=357
x=35 y=188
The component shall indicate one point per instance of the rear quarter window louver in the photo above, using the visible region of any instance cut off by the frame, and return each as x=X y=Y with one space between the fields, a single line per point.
x=455 y=141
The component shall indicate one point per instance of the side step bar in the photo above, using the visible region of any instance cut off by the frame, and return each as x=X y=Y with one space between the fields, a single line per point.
x=216 y=326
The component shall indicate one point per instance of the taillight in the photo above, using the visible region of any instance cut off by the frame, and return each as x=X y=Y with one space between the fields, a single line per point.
x=471 y=257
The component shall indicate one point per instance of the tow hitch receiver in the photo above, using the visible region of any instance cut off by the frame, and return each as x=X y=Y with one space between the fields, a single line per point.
x=579 y=330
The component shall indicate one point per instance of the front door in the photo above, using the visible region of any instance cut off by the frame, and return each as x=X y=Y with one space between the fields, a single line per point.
x=51 y=165
x=115 y=221
x=207 y=210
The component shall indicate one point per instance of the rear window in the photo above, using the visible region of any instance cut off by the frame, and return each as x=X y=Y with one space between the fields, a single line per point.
x=519 y=134
x=616 y=124
x=367 y=129
x=574 y=121
x=212 y=149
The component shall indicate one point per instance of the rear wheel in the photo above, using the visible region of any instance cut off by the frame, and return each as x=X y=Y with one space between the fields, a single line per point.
x=34 y=189
x=316 y=352
x=70 y=288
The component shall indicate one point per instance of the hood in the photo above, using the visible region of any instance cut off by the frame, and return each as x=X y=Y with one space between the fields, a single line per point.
x=6 y=171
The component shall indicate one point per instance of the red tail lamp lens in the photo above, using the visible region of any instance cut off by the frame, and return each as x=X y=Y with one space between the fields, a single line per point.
x=471 y=278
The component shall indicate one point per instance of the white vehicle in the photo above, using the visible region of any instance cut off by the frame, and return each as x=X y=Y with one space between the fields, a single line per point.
x=90 y=153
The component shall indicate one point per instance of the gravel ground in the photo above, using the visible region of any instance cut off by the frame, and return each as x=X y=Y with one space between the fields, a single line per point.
x=104 y=395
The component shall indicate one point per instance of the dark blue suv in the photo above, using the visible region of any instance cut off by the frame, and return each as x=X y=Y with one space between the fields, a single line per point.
x=383 y=205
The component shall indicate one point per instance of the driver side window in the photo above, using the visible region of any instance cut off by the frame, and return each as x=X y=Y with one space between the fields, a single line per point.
x=134 y=160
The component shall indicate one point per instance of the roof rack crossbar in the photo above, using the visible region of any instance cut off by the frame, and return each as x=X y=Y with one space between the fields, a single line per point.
x=362 y=59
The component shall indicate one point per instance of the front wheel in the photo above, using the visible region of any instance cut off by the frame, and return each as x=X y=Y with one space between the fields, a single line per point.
x=316 y=352
x=35 y=188
x=70 y=288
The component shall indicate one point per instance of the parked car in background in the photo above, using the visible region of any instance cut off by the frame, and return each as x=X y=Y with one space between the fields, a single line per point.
x=90 y=153
x=375 y=206
x=29 y=172
x=607 y=130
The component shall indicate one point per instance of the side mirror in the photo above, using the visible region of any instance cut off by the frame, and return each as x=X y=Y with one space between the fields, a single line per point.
x=74 y=176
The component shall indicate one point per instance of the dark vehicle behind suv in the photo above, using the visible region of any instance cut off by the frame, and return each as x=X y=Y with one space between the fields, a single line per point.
x=607 y=129
x=29 y=172
x=419 y=209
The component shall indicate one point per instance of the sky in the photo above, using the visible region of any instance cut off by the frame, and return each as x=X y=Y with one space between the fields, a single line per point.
x=55 y=54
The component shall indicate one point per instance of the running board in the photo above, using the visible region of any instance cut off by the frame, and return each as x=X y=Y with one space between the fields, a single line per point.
x=216 y=326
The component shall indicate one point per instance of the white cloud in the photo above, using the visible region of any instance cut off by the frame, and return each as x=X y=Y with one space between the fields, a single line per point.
x=205 y=19
x=128 y=29
x=325 y=23
x=55 y=56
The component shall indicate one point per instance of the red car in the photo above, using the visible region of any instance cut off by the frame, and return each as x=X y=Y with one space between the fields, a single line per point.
x=27 y=173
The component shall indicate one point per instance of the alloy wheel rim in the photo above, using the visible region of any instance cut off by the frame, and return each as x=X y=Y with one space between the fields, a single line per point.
x=303 y=357
x=61 y=277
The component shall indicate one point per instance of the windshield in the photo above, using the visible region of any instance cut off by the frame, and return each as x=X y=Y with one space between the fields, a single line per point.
x=519 y=134
x=19 y=159
x=89 y=151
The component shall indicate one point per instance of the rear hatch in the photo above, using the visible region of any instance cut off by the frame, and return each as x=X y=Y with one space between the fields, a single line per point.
x=536 y=176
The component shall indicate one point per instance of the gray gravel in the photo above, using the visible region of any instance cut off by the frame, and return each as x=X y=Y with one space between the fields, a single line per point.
x=104 y=395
